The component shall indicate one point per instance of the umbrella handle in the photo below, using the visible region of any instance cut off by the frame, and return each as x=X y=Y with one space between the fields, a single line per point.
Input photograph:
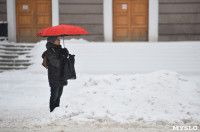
x=63 y=42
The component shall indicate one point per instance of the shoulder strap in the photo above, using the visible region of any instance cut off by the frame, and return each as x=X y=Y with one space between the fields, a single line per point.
x=53 y=50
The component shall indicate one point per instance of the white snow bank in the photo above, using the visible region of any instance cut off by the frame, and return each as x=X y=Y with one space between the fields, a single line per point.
x=131 y=57
x=162 y=97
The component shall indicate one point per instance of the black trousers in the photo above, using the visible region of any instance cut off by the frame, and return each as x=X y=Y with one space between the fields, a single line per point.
x=56 y=93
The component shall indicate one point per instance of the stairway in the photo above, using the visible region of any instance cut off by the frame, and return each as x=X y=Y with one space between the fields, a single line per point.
x=15 y=56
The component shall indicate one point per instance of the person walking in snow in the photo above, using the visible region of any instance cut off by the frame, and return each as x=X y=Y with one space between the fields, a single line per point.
x=56 y=57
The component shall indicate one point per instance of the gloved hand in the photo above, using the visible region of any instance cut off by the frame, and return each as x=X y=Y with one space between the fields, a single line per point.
x=65 y=52
x=71 y=56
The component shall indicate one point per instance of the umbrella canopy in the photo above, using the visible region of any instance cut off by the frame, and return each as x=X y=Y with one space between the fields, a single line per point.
x=62 y=30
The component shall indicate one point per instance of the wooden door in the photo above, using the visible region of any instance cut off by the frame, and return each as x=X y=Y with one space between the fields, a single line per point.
x=130 y=22
x=31 y=17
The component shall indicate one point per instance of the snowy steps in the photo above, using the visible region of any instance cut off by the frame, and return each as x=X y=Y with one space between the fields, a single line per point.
x=15 y=56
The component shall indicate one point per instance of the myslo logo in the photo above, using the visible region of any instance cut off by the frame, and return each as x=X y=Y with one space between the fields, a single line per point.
x=185 y=128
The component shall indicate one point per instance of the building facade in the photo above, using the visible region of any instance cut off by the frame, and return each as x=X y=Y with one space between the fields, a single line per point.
x=105 y=20
x=179 y=20
x=3 y=14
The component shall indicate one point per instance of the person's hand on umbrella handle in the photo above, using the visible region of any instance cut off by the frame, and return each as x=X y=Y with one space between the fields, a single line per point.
x=65 y=52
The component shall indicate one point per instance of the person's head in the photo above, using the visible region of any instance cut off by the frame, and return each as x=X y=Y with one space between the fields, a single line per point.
x=54 y=40
x=57 y=42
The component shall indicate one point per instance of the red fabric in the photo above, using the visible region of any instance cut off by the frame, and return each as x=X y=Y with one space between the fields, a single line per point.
x=62 y=30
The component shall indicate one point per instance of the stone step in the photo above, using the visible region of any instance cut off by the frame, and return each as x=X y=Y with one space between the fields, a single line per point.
x=13 y=61
x=10 y=56
x=14 y=49
x=2 y=51
x=22 y=45
x=15 y=53
x=3 y=68
x=15 y=56
x=14 y=64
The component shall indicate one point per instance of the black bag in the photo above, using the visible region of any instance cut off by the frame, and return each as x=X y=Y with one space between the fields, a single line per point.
x=69 y=69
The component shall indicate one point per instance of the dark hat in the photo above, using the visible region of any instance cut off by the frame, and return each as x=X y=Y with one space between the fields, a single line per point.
x=52 y=39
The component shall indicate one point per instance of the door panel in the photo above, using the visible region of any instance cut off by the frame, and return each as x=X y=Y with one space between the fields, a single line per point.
x=24 y=16
x=25 y=20
x=43 y=13
x=130 y=21
x=43 y=21
x=121 y=20
x=31 y=17
x=138 y=20
x=25 y=34
x=139 y=23
x=43 y=16
x=122 y=32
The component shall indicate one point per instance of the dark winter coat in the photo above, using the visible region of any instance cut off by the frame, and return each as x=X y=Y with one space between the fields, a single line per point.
x=56 y=58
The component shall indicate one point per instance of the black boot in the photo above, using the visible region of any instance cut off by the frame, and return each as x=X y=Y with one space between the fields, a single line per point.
x=51 y=110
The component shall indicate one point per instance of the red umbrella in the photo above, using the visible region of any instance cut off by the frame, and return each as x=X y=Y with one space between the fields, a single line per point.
x=62 y=30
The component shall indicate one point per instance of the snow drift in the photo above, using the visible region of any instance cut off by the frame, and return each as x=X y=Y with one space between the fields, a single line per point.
x=159 y=98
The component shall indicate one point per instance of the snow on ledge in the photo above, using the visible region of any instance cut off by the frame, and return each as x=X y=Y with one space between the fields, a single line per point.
x=129 y=57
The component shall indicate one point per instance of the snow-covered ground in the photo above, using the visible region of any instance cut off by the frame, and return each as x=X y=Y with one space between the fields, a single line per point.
x=115 y=102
